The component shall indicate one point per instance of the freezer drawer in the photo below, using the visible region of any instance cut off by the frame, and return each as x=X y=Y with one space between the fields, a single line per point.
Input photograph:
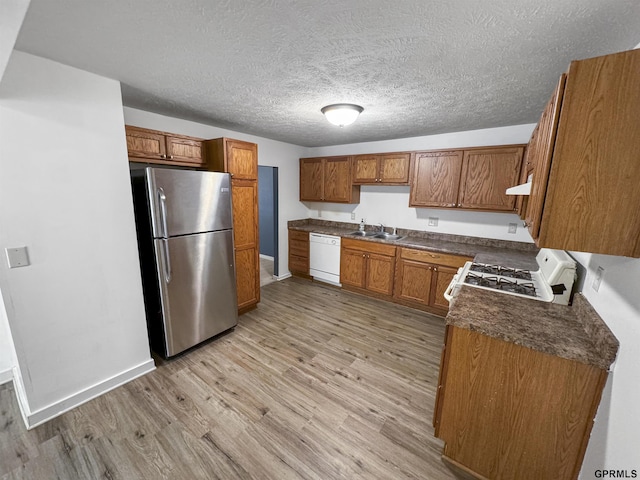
x=197 y=288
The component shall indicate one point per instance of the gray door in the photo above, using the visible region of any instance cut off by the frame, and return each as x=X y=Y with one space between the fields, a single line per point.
x=197 y=287
x=188 y=201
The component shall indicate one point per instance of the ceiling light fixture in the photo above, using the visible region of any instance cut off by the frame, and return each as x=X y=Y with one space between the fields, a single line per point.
x=342 y=114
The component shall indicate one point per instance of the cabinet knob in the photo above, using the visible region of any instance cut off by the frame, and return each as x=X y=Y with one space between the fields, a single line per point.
x=163 y=155
x=171 y=157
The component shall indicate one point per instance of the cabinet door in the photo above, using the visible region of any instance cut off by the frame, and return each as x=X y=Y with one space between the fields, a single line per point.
x=365 y=169
x=379 y=273
x=486 y=174
x=184 y=150
x=311 y=179
x=443 y=277
x=413 y=281
x=299 y=252
x=352 y=267
x=541 y=150
x=242 y=160
x=435 y=179
x=337 y=179
x=394 y=168
x=142 y=143
x=247 y=279
x=245 y=234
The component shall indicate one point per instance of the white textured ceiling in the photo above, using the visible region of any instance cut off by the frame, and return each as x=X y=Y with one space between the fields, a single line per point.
x=266 y=67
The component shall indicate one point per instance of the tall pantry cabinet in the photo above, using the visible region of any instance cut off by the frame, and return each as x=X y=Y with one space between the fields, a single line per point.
x=240 y=159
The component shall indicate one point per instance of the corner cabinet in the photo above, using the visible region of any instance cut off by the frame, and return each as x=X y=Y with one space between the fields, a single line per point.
x=240 y=159
x=585 y=192
x=153 y=146
x=327 y=180
x=497 y=417
x=422 y=277
x=367 y=267
x=384 y=168
x=475 y=178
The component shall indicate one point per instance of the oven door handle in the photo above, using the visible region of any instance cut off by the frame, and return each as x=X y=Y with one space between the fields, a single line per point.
x=448 y=293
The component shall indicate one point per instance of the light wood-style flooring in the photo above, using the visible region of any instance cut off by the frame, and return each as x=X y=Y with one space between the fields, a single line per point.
x=316 y=383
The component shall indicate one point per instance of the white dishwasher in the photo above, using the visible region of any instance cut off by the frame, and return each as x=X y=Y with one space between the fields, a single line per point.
x=324 y=258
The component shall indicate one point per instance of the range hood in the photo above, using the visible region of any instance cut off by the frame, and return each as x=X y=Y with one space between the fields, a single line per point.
x=522 y=189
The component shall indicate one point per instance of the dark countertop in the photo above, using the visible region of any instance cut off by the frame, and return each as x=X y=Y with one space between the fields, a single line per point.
x=573 y=332
x=483 y=250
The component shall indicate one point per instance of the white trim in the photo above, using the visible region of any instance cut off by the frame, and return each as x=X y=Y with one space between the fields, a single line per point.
x=283 y=276
x=33 y=419
x=6 y=376
x=266 y=257
x=21 y=396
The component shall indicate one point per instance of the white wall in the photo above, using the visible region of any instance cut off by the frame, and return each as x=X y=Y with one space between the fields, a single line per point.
x=390 y=205
x=12 y=14
x=270 y=153
x=76 y=313
x=615 y=438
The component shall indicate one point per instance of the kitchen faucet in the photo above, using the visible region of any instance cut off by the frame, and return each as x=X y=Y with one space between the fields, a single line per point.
x=381 y=228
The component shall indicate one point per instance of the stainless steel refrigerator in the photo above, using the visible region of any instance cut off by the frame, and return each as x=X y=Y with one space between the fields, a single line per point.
x=185 y=241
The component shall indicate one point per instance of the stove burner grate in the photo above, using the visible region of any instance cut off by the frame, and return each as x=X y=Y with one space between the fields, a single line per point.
x=501 y=271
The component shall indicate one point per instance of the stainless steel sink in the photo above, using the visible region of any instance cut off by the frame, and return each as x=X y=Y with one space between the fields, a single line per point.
x=387 y=236
x=362 y=234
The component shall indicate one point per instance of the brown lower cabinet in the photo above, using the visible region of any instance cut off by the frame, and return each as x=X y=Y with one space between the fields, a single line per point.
x=421 y=278
x=367 y=267
x=506 y=411
x=299 y=253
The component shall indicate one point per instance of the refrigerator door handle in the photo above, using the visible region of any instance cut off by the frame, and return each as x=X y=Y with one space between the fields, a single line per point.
x=167 y=261
x=162 y=198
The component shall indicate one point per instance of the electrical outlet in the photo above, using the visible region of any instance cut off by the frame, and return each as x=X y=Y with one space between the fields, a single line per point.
x=513 y=227
x=353 y=215
x=319 y=213
x=433 y=221
x=598 y=279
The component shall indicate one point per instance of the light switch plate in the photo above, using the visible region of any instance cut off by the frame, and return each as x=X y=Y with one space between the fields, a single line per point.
x=17 y=257
x=513 y=227
x=598 y=279
x=433 y=221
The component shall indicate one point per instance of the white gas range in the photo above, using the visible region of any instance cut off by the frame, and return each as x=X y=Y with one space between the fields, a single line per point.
x=552 y=282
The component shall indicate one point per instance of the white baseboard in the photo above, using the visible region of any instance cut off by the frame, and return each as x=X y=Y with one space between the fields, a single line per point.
x=6 y=376
x=42 y=415
x=266 y=257
x=283 y=276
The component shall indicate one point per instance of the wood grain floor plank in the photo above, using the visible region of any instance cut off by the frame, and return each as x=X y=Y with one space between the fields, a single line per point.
x=316 y=383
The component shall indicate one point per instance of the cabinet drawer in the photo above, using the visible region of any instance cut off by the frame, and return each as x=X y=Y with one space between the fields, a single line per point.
x=371 y=247
x=300 y=250
x=298 y=235
x=299 y=264
x=434 y=257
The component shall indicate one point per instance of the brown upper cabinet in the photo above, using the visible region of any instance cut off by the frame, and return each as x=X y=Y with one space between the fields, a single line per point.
x=153 y=146
x=327 y=180
x=240 y=160
x=386 y=169
x=586 y=196
x=474 y=178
